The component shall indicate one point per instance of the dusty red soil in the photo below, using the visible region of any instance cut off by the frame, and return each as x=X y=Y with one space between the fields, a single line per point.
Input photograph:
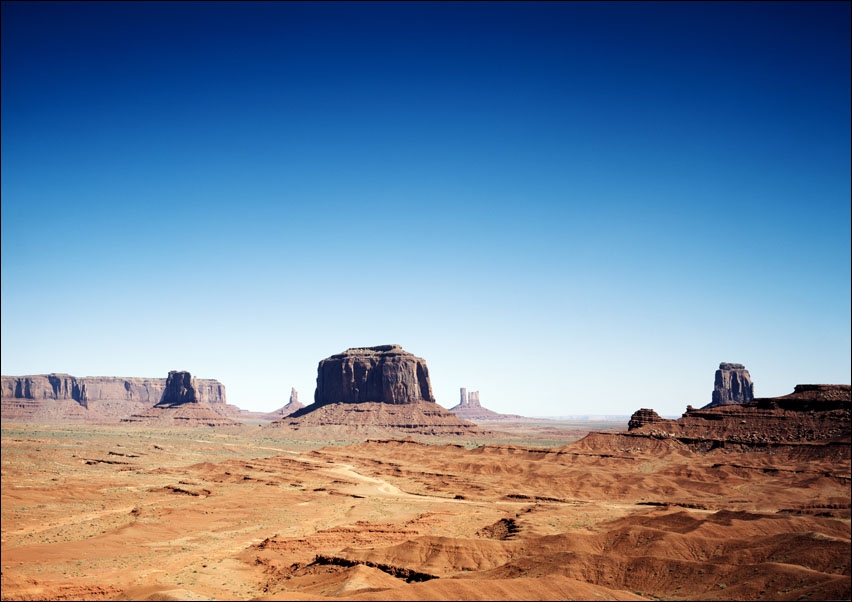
x=121 y=513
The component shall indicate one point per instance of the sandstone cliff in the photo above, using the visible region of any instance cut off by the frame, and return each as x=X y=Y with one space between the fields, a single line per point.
x=812 y=413
x=93 y=388
x=384 y=388
x=57 y=397
x=732 y=385
x=181 y=405
x=188 y=415
x=180 y=389
x=384 y=374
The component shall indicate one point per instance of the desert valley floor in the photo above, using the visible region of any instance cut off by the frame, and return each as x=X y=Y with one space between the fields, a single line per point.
x=531 y=512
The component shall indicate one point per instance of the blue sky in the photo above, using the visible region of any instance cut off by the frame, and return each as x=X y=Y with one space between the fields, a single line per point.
x=574 y=208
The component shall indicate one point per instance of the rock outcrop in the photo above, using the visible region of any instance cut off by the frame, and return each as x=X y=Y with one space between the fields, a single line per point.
x=292 y=406
x=193 y=414
x=470 y=408
x=644 y=417
x=732 y=385
x=100 y=388
x=377 y=418
x=61 y=397
x=181 y=405
x=812 y=413
x=180 y=388
x=289 y=408
x=383 y=374
x=377 y=388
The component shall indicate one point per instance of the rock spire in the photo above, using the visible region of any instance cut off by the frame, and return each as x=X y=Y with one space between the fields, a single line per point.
x=732 y=385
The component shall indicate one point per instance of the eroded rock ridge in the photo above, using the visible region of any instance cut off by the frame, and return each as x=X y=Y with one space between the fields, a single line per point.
x=812 y=413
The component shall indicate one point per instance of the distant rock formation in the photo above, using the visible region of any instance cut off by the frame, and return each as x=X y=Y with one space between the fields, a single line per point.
x=181 y=405
x=732 y=385
x=289 y=408
x=100 y=388
x=193 y=414
x=472 y=400
x=468 y=400
x=81 y=390
x=375 y=418
x=469 y=408
x=180 y=388
x=60 y=397
x=384 y=374
x=812 y=413
x=384 y=388
x=644 y=417
x=293 y=405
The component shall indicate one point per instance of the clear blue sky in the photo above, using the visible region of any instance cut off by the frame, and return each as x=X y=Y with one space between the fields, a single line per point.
x=576 y=208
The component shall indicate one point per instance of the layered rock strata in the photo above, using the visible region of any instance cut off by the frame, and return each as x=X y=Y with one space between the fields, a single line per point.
x=181 y=405
x=59 y=397
x=732 y=385
x=100 y=388
x=644 y=417
x=383 y=374
x=192 y=414
x=812 y=413
x=419 y=418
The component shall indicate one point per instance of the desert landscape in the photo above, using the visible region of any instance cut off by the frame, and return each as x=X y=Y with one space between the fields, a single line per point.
x=234 y=233
x=399 y=499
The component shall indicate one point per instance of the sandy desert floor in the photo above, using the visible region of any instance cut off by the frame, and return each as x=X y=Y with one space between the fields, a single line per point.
x=119 y=513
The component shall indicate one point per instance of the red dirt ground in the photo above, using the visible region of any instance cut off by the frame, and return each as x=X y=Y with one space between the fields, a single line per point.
x=128 y=513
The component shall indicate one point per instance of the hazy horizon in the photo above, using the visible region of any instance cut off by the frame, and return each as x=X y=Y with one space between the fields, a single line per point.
x=572 y=208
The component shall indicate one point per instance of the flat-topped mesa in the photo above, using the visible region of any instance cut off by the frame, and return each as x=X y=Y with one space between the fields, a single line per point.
x=385 y=374
x=57 y=397
x=44 y=386
x=732 y=385
x=101 y=388
x=180 y=389
x=377 y=389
